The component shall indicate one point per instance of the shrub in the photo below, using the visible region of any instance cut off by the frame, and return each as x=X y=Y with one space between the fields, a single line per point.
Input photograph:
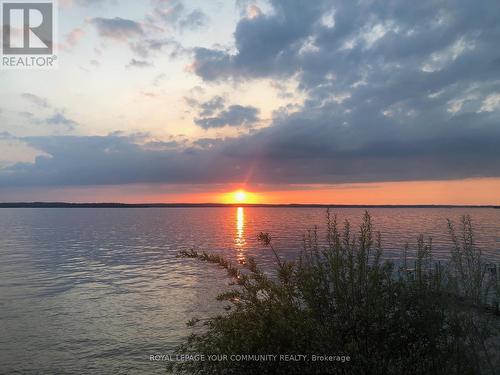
x=343 y=299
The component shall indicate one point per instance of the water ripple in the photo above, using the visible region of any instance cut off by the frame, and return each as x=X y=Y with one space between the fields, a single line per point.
x=98 y=290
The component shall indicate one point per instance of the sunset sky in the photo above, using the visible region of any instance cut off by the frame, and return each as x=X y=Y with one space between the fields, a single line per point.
x=357 y=102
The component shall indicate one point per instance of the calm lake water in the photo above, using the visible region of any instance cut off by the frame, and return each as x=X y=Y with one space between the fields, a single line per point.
x=99 y=290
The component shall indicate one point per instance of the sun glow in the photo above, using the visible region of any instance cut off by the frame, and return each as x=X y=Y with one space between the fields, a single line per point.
x=240 y=196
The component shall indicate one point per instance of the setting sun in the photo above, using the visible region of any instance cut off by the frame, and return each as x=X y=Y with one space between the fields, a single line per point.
x=240 y=196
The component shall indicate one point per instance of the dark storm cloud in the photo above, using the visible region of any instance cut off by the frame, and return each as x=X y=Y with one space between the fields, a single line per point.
x=117 y=28
x=393 y=91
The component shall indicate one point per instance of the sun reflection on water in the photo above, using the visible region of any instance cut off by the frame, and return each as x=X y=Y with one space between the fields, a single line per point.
x=240 y=228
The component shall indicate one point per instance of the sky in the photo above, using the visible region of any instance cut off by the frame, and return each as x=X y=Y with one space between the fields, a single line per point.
x=347 y=102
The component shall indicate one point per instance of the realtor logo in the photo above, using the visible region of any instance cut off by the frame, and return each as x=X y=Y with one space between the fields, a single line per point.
x=28 y=30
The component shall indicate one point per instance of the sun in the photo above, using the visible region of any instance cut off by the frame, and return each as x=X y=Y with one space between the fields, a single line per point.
x=240 y=196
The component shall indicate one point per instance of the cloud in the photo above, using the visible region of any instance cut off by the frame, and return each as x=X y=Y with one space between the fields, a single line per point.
x=207 y=142
x=491 y=103
x=174 y=14
x=215 y=114
x=161 y=145
x=74 y=37
x=146 y=43
x=193 y=20
x=36 y=100
x=263 y=157
x=59 y=118
x=117 y=28
x=211 y=64
x=6 y=136
x=393 y=91
x=234 y=115
x=168 y=11
x=208 y=108
x=139 y=64
x=158 y=79
x=266 y=44
x=152 y=47
x=26 y=114
x=383 y=45
x=370 y=74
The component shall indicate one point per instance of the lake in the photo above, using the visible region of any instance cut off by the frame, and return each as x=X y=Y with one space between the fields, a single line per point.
x=99 y=290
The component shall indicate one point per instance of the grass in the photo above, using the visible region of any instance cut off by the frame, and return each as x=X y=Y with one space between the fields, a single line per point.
x=343 y=299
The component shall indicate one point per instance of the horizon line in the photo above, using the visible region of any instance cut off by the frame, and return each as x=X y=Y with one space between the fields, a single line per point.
x=37 y=204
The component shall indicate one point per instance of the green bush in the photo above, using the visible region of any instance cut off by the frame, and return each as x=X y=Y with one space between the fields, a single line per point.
x=343 y=299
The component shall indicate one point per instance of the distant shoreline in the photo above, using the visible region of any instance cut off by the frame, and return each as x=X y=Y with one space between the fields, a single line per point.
x=209 y=205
